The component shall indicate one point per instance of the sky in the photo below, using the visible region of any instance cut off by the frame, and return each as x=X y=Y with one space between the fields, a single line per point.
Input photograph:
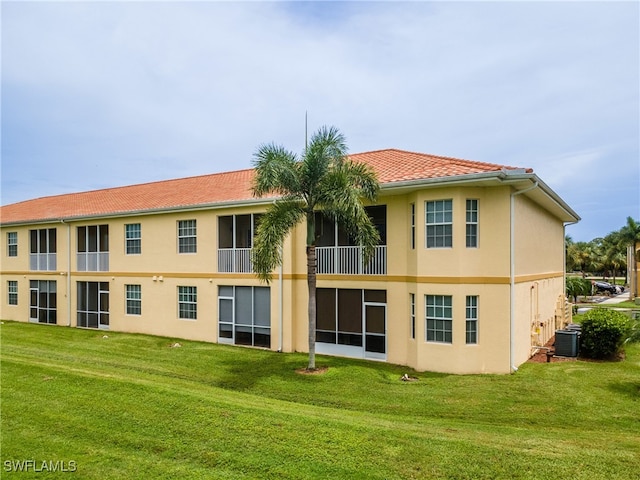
x=98 y=94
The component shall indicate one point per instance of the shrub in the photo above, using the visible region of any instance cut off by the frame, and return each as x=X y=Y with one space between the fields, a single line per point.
x=633 y=335
x=604 y=331
x=577 y=286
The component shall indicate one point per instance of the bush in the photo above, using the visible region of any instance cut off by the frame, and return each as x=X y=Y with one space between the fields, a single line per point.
x=577 y=286
x=604 y=331
x=633 y=335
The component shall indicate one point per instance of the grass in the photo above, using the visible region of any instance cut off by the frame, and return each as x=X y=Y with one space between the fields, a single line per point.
x=130 y=406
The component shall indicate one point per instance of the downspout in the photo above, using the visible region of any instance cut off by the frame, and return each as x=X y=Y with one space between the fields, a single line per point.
x=512 y=274
x=68 y=272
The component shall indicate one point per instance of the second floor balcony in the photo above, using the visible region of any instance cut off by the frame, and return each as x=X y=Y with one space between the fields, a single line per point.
x=234 y=260
x=347 y=260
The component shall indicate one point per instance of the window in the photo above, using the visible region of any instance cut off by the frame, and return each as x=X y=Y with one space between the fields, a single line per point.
x=43 y=301
x=439 y=315
x=187 y=236
x=93 y=248
x=472 y=319
x=133 y=297
x=93 y=305
x=412 y=316
x=12 y=244
x=472 y=223
x=12 y=290
x=42 y=249
x=133 y=239
x=439 y=215
x=188 y=303
x=244 y=316
x=413 y=226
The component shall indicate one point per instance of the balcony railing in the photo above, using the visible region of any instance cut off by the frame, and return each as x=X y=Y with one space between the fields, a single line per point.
x=348 y=260
x=338 y=260
x=234 y=260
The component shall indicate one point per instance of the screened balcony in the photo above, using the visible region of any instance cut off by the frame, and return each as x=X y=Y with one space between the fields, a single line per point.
x=337 y=254
x=235 y=240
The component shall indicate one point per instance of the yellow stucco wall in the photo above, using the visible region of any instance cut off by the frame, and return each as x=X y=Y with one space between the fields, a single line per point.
x=456 y=271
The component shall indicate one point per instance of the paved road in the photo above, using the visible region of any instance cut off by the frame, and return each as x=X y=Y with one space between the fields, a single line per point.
x=623 y=297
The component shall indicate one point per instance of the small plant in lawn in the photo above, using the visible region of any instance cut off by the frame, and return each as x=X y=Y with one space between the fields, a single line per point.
x=604 y=332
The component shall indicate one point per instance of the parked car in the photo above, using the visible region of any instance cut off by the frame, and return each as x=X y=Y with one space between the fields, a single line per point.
x=605 y=287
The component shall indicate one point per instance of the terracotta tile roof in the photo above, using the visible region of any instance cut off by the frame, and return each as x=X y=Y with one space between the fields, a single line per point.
x=398 y=165
x=391 y=166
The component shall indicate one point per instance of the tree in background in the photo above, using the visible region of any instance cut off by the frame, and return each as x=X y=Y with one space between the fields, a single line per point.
x=630 y=236
x=605 y=256
x=577 y=286
x=322 y=180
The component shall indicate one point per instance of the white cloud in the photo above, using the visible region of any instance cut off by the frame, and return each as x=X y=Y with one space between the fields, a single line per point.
x=124 y=92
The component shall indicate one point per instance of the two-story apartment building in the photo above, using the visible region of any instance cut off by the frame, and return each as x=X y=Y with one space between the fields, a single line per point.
x=468 y=278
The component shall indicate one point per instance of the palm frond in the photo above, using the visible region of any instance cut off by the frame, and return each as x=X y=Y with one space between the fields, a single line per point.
x=346 y=185
x=273 y=228
x=326 y=149
x=275 y=171
x=343 y=189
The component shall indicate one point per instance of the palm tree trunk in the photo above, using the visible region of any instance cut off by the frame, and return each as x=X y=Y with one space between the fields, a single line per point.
x=634 y=258
x=311 y=282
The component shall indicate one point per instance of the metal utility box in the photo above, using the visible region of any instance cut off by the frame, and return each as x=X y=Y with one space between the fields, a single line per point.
x=567 y=343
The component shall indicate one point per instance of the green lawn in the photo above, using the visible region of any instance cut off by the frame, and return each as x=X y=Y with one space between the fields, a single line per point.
x=130 y=406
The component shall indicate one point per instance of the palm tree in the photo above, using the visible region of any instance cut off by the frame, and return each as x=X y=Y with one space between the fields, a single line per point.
x=580 y=255
x=322 y=180
x=630 y=234
x=614 y=253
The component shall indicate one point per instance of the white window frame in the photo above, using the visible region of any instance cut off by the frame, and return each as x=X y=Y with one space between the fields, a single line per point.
x=412 y=315
x=254 y=326
x=12 y=244
x=413 y=226
x=472 y=216
x=101 y=301
x=471 y=319
x=36 y=290
x=133 y=239
x=12 y=292
x=93 y=260
x=133 y=299
x=44 y=258
x=439 y=310
x=187 y=302
x=187 y=229
x=439 y=219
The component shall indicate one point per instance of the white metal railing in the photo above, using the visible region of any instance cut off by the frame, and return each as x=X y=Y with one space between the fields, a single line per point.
x=348 y=260
x=42 y=261
x=234 y=260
